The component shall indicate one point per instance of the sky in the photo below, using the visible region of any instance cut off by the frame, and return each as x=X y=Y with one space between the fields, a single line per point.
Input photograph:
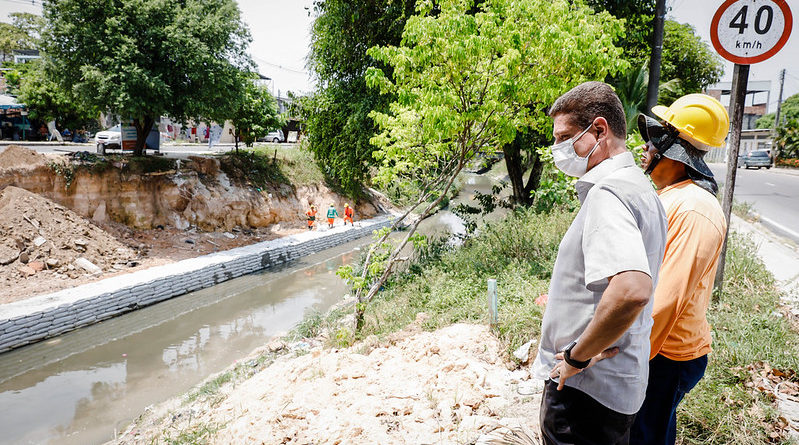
x=281 y=37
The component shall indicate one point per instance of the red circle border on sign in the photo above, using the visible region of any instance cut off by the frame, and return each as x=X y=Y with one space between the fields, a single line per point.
x=714 y=36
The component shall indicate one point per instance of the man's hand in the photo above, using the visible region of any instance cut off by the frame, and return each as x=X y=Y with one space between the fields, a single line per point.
x=563 y=370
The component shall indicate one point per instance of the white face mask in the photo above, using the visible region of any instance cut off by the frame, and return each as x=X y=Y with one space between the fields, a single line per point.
x=566 y=159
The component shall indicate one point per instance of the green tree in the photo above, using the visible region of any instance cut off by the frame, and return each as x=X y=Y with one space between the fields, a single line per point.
x=337 y=116
x=22 y=33
x=142 y=59
x=30 y=28
x=789 y=110
x=636 y=40
x=690 y=60
x=256 y=115
x=48 y=101
x=787 y=139
x=466 y=79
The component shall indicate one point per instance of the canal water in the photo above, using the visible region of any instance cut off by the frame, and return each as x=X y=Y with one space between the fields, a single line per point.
x=86 y=385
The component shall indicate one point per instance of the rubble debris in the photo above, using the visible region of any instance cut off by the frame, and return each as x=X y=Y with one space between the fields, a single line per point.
x=88 y=266
x=39 y=237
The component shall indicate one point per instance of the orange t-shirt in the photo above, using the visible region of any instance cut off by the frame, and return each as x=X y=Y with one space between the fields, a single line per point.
x=693 y=243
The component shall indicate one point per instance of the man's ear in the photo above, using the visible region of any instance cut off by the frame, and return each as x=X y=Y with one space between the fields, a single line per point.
x=602 y=127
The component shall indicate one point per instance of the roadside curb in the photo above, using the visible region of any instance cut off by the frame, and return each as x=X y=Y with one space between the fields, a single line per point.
x=780 y=258
x=49 y=315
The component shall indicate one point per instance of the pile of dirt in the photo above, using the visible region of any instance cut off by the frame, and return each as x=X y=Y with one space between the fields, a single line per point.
x=15 y=157
x=448 y=386
x=39 y=237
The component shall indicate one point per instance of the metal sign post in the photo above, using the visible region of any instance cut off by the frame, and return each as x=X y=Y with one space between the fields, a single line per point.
x=744 y=32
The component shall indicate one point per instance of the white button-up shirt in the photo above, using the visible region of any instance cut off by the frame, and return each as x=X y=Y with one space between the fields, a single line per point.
x=621 y=226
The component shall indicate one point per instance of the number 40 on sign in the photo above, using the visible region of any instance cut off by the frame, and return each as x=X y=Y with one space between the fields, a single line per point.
x=750 y=31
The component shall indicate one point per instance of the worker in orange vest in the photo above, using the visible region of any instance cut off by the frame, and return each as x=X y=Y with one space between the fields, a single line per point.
x=311 y=217
x=348 y=213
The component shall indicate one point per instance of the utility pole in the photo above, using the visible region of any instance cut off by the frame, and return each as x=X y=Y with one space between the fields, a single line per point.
x=657 y=54
x=740 y=78
x=779 y=100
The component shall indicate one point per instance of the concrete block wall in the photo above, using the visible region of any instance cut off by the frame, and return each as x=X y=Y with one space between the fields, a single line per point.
x=49 y=315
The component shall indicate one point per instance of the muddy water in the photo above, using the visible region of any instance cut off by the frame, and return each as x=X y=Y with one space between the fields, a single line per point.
x=83 y=386
x=80 y=387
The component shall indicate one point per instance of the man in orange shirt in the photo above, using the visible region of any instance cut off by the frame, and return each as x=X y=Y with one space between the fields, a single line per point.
x=311 y=217
x=680 y=338
x=348 y=214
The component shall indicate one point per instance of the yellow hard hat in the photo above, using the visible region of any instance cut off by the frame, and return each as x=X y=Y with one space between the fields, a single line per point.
x=699 y=116
x=346 y=205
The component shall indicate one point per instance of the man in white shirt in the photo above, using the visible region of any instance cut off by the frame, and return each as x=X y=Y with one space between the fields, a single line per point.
x=594 y=348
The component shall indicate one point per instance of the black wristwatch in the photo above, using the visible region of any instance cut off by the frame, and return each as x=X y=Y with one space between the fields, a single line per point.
x=574 y=363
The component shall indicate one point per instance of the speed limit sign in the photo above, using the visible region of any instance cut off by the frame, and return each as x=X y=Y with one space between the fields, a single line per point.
x=750 y=31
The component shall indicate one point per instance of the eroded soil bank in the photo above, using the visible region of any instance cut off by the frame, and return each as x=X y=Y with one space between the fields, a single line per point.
x=121 y=215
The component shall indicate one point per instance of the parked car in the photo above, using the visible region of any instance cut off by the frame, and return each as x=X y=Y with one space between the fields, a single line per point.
x=757 y=158
x=109 y=139
x=275 y=136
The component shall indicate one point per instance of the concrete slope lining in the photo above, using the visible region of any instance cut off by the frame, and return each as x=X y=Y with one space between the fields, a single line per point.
x=45 y=316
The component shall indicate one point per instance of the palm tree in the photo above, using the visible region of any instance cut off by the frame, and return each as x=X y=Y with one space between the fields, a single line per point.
x=631 y=89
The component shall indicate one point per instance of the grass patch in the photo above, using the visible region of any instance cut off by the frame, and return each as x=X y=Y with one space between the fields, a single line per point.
x=199 y=434
x=742 y=210
x=296 y=163
x=721 y=410
x=450 y=284
x=269 y=166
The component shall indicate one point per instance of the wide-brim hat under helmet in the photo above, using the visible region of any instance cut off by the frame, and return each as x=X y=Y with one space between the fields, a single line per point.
x=668 y=143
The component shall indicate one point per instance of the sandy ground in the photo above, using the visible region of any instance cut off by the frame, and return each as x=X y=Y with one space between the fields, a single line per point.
x=448 y=386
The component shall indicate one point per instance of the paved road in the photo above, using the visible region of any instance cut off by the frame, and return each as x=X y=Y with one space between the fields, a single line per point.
x=773 y=194
x=176 y=150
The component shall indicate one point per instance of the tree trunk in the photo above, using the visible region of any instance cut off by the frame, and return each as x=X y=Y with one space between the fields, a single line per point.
x=519 y=156
x=513 y=161
x=534 y=180
x=143 y=127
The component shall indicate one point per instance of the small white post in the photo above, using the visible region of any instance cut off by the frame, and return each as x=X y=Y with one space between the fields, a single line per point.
x=492 y=302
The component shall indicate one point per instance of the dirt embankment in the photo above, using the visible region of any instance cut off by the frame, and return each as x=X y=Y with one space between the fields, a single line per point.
x=448 y=386
x=63 y=224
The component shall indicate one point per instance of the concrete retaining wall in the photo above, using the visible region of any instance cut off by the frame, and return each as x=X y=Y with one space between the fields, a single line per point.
x=45 y=316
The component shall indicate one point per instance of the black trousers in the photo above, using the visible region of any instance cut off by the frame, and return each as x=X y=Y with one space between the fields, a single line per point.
x=572 y=417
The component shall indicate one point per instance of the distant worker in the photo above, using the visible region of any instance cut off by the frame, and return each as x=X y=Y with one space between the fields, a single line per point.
x=681 y=337
x=332 y=214
x=348 y=214
x=311 y=217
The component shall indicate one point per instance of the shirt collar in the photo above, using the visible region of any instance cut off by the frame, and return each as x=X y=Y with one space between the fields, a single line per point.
x=601 y=171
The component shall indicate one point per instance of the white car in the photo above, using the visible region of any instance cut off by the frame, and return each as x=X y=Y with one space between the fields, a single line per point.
x=108 y=139
x=275 y=136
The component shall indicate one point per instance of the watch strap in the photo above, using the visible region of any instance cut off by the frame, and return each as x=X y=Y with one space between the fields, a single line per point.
x=574 y=363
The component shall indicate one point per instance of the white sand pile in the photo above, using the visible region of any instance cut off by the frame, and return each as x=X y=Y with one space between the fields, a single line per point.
x=448 y=386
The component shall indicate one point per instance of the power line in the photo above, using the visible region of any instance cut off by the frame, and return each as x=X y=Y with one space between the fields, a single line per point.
x=25 y=2
x=284 y=68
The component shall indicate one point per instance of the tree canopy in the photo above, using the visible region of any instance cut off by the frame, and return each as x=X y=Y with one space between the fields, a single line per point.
x=636 y=40
x=789 y=110
x=337 y=116
x=22 y=33
x=256 y=115
x=47 y=101
x=141 y=59
x=466 y=78
x=690 y=60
